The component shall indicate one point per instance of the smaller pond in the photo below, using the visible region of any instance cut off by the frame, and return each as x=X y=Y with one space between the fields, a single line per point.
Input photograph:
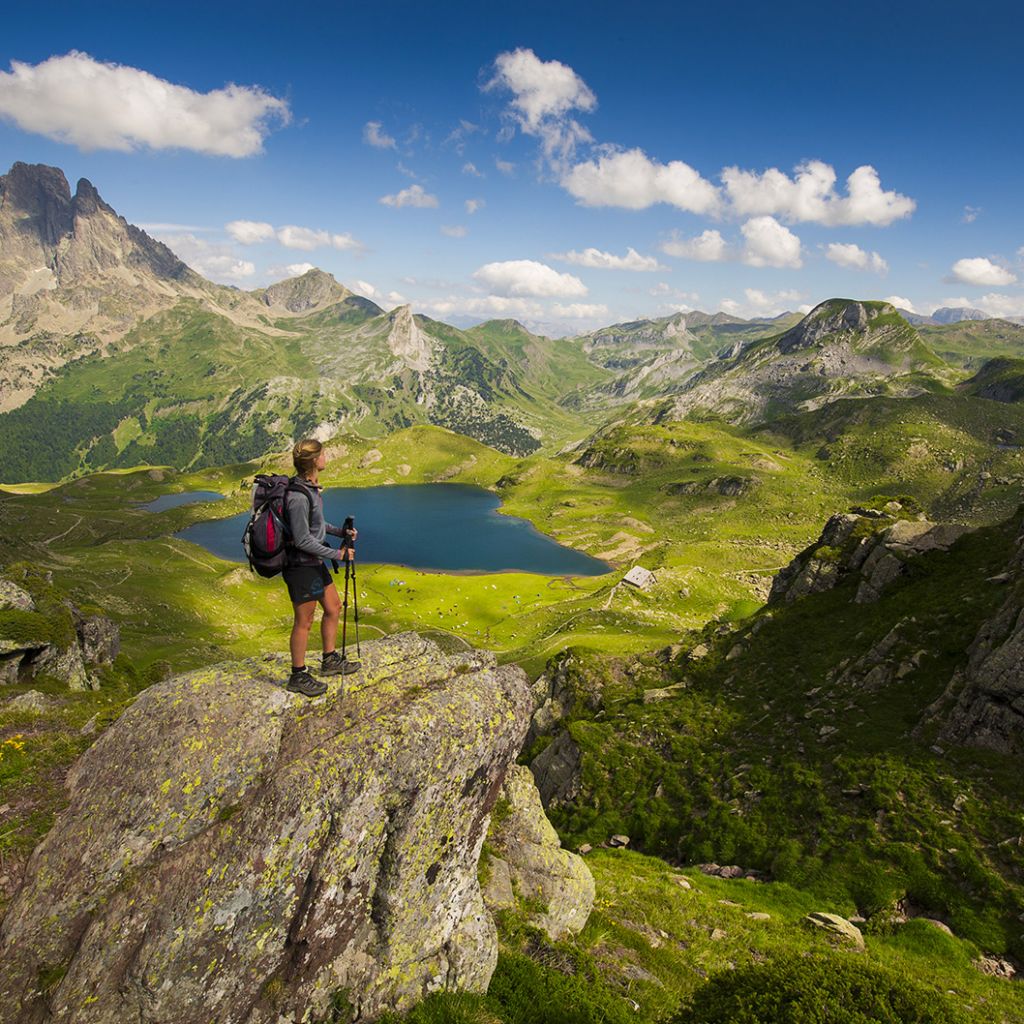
x=166 y=501
x=442 y=527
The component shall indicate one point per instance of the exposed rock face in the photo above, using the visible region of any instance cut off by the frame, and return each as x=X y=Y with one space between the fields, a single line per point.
x=864 y=546
x=12 y=596
x=557 y=770
x=988 y=693
x=407 y=341
x=73 y=274
x=233 y=852
x=529 y=853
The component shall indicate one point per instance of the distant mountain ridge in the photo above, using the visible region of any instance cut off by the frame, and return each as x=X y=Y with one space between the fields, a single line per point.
x=842 y=348
x=105 y=331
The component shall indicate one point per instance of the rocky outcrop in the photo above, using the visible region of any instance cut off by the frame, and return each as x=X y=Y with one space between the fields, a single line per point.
x=407 y=341
x=64 y=644
x=557 y=770
x=233 y=852
x=984 y=703
x=529 y=863
x=873 y=549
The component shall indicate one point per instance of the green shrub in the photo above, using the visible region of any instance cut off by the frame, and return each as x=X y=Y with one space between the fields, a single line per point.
x=826 y=989
x=28 y=628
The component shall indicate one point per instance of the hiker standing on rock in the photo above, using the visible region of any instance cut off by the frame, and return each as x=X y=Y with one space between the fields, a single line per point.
x=309 y=582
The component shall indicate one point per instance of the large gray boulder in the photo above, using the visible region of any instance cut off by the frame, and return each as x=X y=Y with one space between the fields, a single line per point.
x=556 y=883
x=235 y=853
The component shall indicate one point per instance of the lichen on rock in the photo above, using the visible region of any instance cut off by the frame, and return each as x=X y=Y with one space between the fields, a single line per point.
x=233 y=852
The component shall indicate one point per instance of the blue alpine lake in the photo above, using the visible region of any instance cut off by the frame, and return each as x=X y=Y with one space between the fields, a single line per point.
x=166 y=501
x=441 y=527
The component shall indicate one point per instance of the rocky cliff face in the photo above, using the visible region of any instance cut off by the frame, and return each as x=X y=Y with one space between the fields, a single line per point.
x=76 y=277
x=874 y=548
x=233 y=852
x=73 y=275
x=984 y=703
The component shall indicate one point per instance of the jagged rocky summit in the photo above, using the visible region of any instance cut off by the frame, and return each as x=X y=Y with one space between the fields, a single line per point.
x=236 y=853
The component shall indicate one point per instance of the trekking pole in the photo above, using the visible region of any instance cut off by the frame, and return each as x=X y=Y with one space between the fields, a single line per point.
x=344 y=614
x=355 y=598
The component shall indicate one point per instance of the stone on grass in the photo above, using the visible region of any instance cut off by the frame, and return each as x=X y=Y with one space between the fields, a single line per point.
x=837 y=926
x=33 y=701
x=14 y=597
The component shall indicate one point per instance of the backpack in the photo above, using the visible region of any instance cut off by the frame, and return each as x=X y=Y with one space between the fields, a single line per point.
x=265 y=539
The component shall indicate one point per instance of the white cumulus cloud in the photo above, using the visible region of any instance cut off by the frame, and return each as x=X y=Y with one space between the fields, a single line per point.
x=900 y=302
x=758 y=303
x=811 y=196
x=854 y=257
x=414 y=195
x=980 y=271
x=96 y=105
x=472 y=205
x=708 y=247
x=999 y=304
x=291 y=236
x=632 y=180
x=544 y=96
x=250 y=232
x=770 y=244
x=579 y=310
x=528 y=278
x=374 y=135
x=598 y=260
x=214 y=261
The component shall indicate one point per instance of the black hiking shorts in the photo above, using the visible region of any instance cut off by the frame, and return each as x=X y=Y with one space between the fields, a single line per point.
x=307 y=582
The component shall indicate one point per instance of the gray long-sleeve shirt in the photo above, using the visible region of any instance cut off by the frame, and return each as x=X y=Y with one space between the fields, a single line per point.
x=308 y=528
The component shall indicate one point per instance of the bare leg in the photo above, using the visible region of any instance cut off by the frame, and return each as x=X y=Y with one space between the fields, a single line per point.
x=300 y=631
x=331 y=605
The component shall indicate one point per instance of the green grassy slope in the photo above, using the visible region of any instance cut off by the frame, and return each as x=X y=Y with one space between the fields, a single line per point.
x=969 y=343
x=768 y=756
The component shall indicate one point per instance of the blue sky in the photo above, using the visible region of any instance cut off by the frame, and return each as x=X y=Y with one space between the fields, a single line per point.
x=567 y=164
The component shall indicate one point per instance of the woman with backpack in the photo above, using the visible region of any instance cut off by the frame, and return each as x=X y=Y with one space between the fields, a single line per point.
x=309 y=582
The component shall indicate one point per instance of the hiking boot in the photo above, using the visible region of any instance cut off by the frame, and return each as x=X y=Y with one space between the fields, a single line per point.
x=302 y=682
x=334 y=664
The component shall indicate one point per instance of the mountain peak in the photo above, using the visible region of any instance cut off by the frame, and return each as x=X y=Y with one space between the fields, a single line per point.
x=39 y=197
x=87 y=199
x=833 y=316
x=309 y=291
x=954 y=314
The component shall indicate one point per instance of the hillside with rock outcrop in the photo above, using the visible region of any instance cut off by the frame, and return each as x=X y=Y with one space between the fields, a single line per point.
x=857 y=735
x=234 y=852
x=841 y=349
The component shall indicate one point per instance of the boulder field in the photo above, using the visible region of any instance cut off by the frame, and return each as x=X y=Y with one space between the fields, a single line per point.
x=232 y=852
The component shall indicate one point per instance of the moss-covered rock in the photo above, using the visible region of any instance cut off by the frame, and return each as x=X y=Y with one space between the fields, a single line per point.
x=235 y=852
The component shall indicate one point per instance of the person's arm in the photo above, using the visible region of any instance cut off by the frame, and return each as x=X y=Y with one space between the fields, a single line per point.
x=297 y=506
